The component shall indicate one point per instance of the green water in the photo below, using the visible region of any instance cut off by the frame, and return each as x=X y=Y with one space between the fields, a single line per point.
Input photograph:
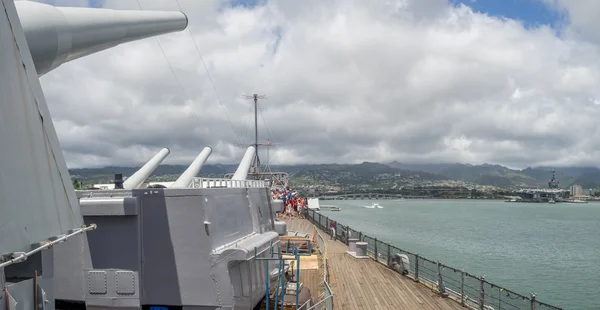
x=552 y=250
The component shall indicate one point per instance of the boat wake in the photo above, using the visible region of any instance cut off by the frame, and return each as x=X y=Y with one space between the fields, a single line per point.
x=374 y=206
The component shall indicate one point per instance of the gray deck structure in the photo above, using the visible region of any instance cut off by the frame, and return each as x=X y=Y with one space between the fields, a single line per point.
x=190 y=247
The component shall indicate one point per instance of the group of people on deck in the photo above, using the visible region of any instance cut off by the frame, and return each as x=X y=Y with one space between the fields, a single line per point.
x=293 y=204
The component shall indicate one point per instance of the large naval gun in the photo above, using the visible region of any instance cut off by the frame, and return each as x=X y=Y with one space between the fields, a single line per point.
x=56 y=35
x=39 y=211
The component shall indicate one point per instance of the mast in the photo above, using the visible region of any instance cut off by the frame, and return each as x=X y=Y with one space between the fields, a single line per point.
x=256 y=160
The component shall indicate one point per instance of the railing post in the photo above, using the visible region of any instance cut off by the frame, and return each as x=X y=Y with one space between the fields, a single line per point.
x=462 y=288
x=441 y=287
x=417 y=267
x=481 y=292
x=532 y=301
x=375 y=253
x=389 y=255
x=267 y=282
x=320 y=226
x=347 y=234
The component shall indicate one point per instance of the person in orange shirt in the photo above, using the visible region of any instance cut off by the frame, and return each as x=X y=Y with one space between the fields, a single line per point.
x=301 y=208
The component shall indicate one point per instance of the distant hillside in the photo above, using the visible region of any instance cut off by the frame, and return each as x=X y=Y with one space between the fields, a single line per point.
x=497 y=175
x=376 y=174
x=429 y=168
x=365 y=173
x=361 y=174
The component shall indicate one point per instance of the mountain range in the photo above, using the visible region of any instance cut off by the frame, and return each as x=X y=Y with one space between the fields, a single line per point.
x=373 y=173
x=501 y=176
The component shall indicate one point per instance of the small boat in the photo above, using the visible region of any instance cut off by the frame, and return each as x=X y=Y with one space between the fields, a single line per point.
x=551 y=201
x=374 y=206
x=331 y=207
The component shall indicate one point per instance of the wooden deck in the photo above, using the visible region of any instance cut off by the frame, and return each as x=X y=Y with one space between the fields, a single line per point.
x=366 y=284
x=309 y=273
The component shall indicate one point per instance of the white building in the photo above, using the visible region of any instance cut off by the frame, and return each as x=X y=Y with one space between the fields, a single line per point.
x=576 y=190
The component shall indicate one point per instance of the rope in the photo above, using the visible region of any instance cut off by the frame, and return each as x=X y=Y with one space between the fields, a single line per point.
x=210 y=78
x=188 y=100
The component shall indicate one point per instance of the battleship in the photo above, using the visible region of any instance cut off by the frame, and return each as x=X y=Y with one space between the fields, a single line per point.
x=195 y=243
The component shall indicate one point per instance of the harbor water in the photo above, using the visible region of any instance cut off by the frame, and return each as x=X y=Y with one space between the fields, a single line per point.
x=552 y=250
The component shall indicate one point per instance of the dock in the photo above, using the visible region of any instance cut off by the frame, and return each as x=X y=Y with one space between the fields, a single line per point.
x=366 y=284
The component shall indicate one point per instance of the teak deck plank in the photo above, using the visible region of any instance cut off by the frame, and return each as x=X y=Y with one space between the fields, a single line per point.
x=366 y=284
x=311 y=279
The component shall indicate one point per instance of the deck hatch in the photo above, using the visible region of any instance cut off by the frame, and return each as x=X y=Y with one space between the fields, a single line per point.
x=97 y=282
x=125 y=282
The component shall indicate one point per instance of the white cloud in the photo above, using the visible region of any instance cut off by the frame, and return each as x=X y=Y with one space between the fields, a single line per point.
x=347 y=81
x=582 y=16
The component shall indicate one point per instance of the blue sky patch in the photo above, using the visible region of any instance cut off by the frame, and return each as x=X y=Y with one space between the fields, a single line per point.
x=532 y=13
x=96 y=3
x=91 y=3
x=247 y=3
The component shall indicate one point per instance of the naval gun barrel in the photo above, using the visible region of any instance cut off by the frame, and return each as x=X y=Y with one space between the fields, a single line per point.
x=185 y=178
x=56 y=35
x=242 y=171
x=136 y=179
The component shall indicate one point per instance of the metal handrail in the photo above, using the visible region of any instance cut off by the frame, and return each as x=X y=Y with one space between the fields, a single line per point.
x=468 y=290
x=305 y=305
x=328 y=293
x=327 y=298
x=19 y=257
x=226 y=183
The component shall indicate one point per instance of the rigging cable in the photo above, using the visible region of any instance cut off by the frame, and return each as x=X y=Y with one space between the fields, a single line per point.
x=187 y=97
x=269 y=132
x=210 y=77
x=189 y=101
x=269 y=136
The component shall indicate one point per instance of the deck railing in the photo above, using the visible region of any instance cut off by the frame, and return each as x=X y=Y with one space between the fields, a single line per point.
x=225 y=183
x=326 y=300
x=467 y=289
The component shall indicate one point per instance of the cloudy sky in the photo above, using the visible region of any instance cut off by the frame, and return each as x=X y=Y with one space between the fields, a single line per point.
x=513 y=82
